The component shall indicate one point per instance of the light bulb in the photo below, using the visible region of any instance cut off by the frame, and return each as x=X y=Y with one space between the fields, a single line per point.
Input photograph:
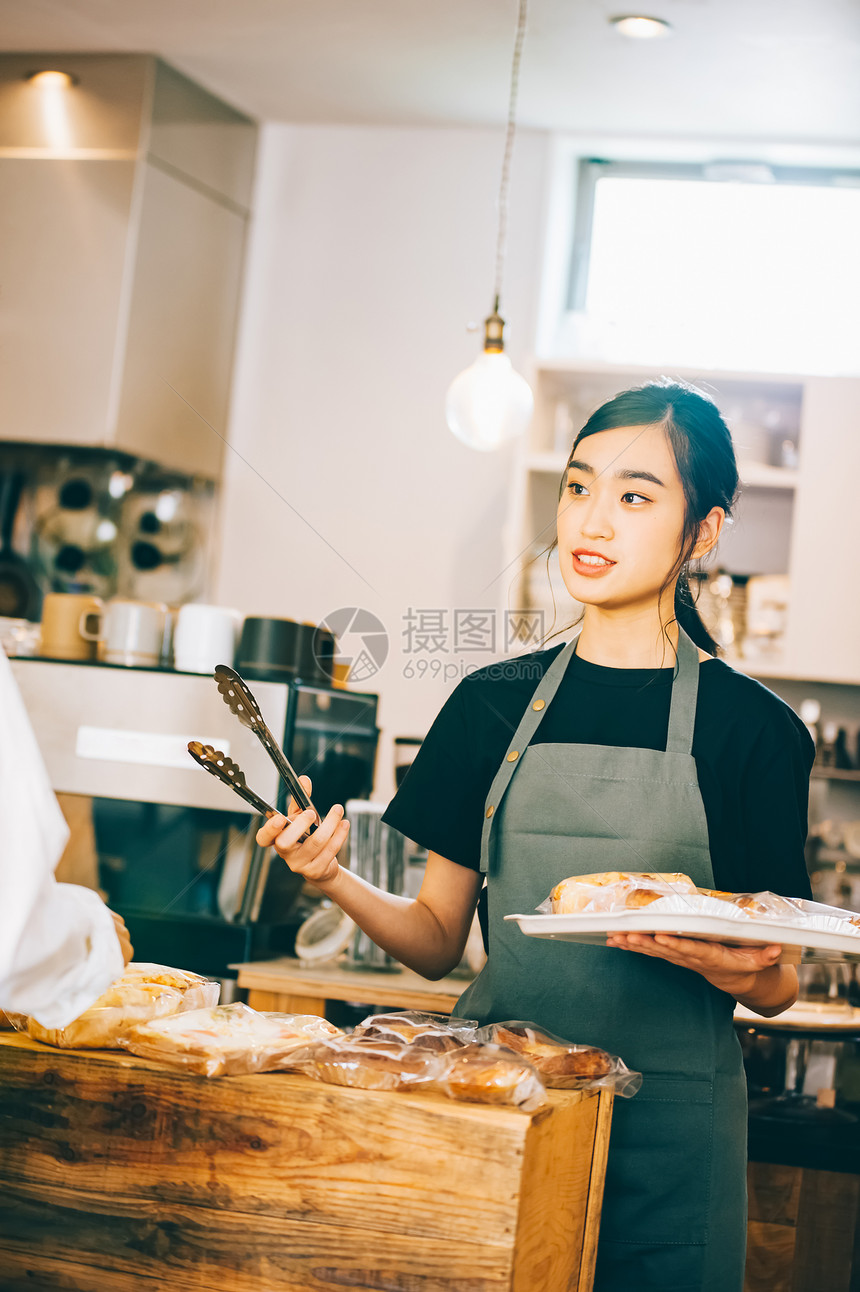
x=51 y=80
x=489 y=403
x=641 y=27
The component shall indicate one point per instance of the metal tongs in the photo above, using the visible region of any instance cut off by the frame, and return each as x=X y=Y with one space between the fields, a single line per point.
x=239 y=700
x=226 y=770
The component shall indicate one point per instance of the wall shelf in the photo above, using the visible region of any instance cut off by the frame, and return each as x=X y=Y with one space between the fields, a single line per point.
x=835 y=774
x=759 y=475
x=687 y=372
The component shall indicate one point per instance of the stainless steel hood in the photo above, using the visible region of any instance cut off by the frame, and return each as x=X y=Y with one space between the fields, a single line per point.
x=124 y=205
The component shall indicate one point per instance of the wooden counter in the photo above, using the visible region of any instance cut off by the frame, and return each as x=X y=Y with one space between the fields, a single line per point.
x=117 y=1175
x=294 y=987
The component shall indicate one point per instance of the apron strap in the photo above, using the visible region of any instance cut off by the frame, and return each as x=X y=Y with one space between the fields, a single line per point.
x=528 y=725
x=685 y=690
x=682 y=721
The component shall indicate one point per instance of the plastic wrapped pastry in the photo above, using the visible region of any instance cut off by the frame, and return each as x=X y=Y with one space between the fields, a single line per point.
x=142 y=992
x=614 y=890
x=370 y=1063
x=428 y=1031
x=560 y=1064
x=473 y=1072
x=197 y=992
x=227 y=1040
x=766 y=905
x=490 y=1074
x=614 y=893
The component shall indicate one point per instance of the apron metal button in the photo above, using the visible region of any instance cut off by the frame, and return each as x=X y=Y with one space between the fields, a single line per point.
x=490 y=810
x=513 y=755
x=539 y=704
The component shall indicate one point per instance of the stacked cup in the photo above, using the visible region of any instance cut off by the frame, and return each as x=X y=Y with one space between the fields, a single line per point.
x=204 y=636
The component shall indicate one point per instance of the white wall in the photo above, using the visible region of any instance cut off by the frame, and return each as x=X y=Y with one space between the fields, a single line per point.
x=371 y=249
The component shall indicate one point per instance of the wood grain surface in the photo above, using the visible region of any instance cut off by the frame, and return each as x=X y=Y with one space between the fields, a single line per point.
x=804 y=1230
x=117 y=1175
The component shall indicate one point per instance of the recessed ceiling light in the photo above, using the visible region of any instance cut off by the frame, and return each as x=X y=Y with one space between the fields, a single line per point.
x=639 y=27
x=50 y=79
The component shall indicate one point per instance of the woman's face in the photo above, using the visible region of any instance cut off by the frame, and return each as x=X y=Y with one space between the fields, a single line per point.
x=620 y=518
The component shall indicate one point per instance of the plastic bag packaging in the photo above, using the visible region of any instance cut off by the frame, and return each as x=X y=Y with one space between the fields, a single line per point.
x=473 y=1072
x=437 y=1032
x=226 y=1040
x=197 y=992
x=560 y=1064
x=796 y=910
x=142 y=992
x=614 y=890
x=370 y=1063
x=490 y=1074
x=763 y=907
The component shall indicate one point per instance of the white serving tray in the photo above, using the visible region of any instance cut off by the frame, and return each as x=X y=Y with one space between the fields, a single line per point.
x=813 y=944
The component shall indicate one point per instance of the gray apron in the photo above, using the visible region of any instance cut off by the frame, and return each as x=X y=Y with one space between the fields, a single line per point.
x=674 y=1211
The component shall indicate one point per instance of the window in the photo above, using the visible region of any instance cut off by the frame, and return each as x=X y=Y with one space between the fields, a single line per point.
x=730 y=265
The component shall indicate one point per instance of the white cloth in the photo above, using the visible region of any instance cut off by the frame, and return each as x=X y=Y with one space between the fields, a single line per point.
x=58 y=945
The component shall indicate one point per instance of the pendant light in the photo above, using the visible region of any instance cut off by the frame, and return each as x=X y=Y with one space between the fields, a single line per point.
x=489 y=403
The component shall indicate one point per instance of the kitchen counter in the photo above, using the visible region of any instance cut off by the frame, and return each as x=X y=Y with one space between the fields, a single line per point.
x=293 y=986
x=118 y=1175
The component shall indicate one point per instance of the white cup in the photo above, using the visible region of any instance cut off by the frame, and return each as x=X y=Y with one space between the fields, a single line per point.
x=130 y=632
x=204 y=636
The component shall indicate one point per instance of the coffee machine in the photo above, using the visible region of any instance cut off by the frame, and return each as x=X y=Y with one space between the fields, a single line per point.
x=174 y=849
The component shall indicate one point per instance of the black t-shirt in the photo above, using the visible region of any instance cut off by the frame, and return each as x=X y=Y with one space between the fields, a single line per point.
x=752 y=752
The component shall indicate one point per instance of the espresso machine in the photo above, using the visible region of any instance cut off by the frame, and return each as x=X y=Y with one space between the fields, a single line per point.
x=174 y=849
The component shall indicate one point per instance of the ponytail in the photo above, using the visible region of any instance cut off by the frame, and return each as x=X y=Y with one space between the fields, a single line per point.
x=689 y=618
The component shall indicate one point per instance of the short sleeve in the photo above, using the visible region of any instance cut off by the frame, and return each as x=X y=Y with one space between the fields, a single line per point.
x=774 y=808
x=439 y=804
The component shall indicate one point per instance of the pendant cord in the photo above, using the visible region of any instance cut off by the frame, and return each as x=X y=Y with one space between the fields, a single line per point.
x=502 y=237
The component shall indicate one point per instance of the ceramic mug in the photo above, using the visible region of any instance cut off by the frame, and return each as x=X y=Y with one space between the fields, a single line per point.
x=204 y=636
x=70 y=625
x=275 y=650
x=131 y=632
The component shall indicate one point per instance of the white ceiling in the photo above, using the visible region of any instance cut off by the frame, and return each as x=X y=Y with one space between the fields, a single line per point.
x=771 y=69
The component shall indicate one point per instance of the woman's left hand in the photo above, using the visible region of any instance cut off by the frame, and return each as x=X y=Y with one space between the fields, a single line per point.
x=732 y=969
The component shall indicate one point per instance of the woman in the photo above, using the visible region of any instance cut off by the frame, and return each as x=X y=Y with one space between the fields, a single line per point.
x=630 y=748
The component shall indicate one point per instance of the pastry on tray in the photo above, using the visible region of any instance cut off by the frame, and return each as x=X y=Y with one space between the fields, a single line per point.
x=615 y=889
x=614 y=893
x=768 y=906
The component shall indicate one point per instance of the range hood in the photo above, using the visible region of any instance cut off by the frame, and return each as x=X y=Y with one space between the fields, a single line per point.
x=124 y=207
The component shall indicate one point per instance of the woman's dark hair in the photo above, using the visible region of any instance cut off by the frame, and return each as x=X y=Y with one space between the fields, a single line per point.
x=702 y=445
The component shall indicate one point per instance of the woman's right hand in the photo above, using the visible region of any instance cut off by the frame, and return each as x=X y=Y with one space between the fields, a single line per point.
x=124 y=939
x=316 y=857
